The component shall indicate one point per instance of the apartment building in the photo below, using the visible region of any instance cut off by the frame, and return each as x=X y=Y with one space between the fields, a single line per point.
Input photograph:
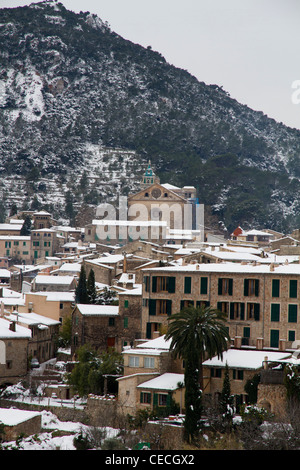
x=261 y=302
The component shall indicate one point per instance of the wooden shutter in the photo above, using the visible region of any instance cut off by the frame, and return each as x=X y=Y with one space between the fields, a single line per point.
x=231 y=310
x=169 y=307
x=292 y=315
x=275 y=287
x=242 y=311
x=187 y=285
x=230 y=286
x=275 y=312
x=293 y=289
x=152 y=307
x=171 y=285
x=203 y=285
x=256 y=312
x=154 y=284
x=256 y=287
x=220 y=284
x=246 y=287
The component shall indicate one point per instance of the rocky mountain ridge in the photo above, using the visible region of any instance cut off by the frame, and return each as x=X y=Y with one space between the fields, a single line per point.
x=74 y=92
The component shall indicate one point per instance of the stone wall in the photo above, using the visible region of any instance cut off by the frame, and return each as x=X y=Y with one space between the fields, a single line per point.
x=272 y=397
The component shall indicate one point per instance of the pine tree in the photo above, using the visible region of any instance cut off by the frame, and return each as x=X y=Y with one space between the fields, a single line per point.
x=26 y=228
x=81 y=295
x=91 y=288
x=226 y=399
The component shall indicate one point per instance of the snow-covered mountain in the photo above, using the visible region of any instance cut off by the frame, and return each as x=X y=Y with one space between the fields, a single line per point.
x=76 y=99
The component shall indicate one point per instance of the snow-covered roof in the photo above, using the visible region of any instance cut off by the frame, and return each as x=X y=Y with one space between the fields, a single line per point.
x=245 y=359
x=156 y=343
x=91 y=309
x=12 y=416
x=5 y=332
x=231 y=268
x=32 y=319
x=45 y=279
x=166 y=382
x=53 y=296
x=70 y=267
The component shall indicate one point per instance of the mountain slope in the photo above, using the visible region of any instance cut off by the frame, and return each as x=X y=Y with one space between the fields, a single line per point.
x=71 y=88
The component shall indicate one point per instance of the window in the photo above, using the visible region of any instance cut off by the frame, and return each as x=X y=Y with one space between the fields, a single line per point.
x=111 y=321
x=163 y=284
x=246 y=336
x=125 y=322
x=134 y=361
x=162 y=399
x=237 y=311
x=126 y=304
x=253 y=311
x=164 y=307
x=187 y=285
x=292 y=313
x=149 y=362
x=225 y=286
x=275 y=312
x=203 y=285
x=274 y=338
x=146 y=283
x=145 y=398
x=291 y=335
x=251 y=287
x=293 y=289
x=238 y=374
x=223 y=307
x=216 y=372
x=275 y=287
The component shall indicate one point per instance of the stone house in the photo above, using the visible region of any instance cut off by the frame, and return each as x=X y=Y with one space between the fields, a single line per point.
x=14 y=341
x=44 y=333
x=44 y=282
x=16 y=247
x=149 y=360
x=55 y=305
x=97 y=326
x=20 y=422
x=261 y=302
x=45 y=242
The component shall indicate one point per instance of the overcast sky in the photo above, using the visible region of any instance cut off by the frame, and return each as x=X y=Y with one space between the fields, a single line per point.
x=250 y=47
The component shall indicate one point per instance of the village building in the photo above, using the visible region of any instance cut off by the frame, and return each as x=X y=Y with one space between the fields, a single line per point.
x=44 y=282
x=44 y=333
x=55 y=305
x=259 y=301
x=14 y=341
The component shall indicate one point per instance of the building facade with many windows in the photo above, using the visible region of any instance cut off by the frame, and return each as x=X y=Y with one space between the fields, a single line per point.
x=261 y=302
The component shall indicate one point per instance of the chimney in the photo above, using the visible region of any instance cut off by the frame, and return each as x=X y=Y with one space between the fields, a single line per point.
x=2 y=310
x=260 y=343
x=265 y=363
x=12 y=326
x=282 y=345
x=238 y=342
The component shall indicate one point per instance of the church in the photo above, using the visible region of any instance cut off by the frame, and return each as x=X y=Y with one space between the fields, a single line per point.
x=153 y=213
x=163 y=202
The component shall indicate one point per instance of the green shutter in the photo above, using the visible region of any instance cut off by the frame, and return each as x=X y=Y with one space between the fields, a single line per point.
x=274 y=338
x=275 y=287
x=169 y=307
x=152 y=307
x=256 y=312
x=256 y=287
x=246 y=332
x=219 y=306
x=154 y=284
x=155 y=399
x=171 y=285
x=169 y=397
x=187 y=285
x=203 y=285
x=231 y=311
x=125 y=322
x=181 y=304
x=242 y=311
x=275 y=312
x=293 y=289
x=230 y=286
x=246 y=287
x=292 y=313
x=148 y=331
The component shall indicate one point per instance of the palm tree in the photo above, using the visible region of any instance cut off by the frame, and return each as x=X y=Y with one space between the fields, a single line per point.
x=196 y=334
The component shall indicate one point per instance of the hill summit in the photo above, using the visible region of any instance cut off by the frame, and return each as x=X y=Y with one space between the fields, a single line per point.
x=83 y=110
